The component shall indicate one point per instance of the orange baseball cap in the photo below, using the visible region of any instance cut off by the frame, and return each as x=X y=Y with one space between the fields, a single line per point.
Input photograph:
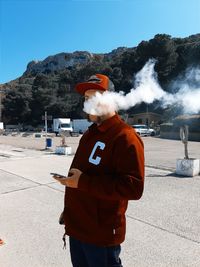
x=96 y=82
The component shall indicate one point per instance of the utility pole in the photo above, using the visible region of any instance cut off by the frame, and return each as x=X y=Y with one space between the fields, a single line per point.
x=46 y=118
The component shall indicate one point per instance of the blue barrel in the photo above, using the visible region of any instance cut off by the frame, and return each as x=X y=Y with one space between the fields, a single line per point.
x=48 y=142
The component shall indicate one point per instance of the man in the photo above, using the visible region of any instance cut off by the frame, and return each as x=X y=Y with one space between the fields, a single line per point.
x=106 y=172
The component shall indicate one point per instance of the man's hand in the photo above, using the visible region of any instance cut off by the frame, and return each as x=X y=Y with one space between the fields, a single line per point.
x=72 y=180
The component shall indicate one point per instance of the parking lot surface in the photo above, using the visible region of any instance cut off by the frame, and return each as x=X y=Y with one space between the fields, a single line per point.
x=162 y=227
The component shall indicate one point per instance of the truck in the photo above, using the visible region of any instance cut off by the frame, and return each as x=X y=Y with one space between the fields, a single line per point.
x=62 y=124
x=1 y=126
x=81 y=125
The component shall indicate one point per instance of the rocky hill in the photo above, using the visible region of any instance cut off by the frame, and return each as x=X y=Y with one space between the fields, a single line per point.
x=59 y=62
x=49 y=84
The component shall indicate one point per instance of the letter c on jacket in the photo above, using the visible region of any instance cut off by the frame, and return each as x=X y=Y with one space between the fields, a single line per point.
x=96 y=160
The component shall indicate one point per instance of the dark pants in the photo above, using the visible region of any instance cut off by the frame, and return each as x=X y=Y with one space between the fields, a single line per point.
x=88 y=255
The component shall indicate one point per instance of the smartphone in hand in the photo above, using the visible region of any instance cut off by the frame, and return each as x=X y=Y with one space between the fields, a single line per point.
x=58 y=175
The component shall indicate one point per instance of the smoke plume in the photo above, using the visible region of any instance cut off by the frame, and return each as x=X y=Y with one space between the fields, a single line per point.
x=147 y=89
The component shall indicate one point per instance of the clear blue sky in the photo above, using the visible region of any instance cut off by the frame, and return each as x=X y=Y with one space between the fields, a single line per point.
x=35 y=29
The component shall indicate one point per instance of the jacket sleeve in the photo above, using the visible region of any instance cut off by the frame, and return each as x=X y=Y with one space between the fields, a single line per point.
x=127 y=181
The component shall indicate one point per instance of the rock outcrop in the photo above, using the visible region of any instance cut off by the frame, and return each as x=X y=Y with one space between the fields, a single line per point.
x=59 y=62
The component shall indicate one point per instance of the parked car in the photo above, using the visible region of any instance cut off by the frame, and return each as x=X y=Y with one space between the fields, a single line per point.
x=143 y=130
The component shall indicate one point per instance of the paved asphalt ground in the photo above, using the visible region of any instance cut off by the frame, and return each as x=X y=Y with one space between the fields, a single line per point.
x=163 y=227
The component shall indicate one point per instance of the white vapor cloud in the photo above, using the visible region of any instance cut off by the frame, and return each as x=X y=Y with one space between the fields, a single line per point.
x=147 y=89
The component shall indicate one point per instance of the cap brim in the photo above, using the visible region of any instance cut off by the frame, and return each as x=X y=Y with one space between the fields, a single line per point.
x=81 y=88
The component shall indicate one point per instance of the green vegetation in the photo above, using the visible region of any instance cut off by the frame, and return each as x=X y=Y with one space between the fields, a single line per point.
x=28 y=97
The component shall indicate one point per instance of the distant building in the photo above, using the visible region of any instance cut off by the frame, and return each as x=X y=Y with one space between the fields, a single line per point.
x=172 y=130
x=148 y=118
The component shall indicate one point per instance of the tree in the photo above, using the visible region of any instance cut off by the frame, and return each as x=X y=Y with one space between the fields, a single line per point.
x=41 y=98
x=16 y=107
x=163 y=49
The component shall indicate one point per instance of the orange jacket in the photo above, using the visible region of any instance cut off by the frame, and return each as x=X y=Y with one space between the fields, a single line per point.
x=111 y=157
